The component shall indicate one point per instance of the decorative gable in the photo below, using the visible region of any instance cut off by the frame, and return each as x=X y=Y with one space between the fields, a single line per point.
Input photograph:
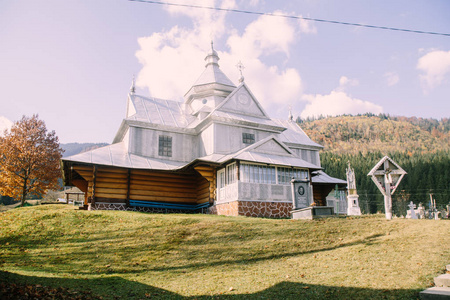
x=272 y=147
x=242 y=101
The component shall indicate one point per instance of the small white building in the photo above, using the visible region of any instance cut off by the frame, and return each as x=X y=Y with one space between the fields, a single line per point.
x=218 y=151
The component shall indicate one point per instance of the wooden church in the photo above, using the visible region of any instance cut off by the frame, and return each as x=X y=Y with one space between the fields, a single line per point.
x=217 y=152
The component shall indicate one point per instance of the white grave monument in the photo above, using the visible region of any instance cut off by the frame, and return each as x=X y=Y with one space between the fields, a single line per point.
x=387 y=176
x=353 y=208
x=411 y=214
x=421 y=211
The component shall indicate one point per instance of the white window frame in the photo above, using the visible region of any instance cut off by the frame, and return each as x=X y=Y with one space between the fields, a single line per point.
x=270 y=174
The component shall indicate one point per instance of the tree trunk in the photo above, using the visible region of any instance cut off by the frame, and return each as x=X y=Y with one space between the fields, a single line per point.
x=24 y=192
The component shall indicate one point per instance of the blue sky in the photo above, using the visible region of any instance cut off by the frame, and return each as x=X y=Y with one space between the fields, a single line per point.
x=72 y=61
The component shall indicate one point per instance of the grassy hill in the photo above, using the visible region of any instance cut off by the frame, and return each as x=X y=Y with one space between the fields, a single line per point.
x=131 y=255
x=371 y=133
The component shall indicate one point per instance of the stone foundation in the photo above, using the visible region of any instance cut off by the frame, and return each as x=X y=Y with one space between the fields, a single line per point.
x=262 y=209
x=119 y=206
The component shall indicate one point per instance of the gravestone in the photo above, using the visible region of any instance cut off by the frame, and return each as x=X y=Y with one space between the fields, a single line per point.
x=421 y=211
x=411 y=214
x=303 y=203
x=301 y=195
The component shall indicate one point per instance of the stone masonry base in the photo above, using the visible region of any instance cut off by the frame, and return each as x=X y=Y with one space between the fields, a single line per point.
x=261 y=209
x=120 y=206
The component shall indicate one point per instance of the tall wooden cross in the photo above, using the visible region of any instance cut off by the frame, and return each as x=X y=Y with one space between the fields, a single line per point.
x=387 y=176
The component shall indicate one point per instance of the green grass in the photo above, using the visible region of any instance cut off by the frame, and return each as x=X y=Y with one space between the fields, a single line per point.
x=129 y=255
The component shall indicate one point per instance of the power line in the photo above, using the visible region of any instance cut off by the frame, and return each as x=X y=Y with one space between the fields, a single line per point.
x=290 y=17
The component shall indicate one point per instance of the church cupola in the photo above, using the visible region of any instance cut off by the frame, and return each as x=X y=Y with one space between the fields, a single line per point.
x=211 y=88
x=212 y=57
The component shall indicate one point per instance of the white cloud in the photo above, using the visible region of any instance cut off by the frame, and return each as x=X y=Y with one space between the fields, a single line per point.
x=5 y=124
x=307 y=26
x=345 y=82
x=180 y=52
x=436 y=68
x=392 y=78
x=337 y=103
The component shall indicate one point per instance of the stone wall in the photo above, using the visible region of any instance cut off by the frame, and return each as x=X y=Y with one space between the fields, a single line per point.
x=263 y=209
x=116 y=206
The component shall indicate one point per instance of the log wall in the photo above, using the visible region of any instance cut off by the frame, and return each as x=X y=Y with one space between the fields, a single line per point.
x=116 y=185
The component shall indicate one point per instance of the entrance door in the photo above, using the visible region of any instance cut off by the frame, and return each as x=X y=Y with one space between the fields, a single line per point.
x=221 y=183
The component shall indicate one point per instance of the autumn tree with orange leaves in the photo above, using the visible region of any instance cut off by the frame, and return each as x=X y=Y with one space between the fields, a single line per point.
x=29 y=159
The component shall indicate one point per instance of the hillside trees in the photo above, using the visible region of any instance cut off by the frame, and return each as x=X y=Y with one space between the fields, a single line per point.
x=428 y=173
x=29 y=159
x=420 y=146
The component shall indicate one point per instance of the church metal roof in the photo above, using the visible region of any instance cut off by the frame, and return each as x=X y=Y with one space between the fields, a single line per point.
x=159 y=111
x=117 y=155
x=212 y=72
x=294 y=134
x=320 y=177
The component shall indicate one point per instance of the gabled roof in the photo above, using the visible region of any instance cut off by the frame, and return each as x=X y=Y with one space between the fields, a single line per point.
x=242 y=101
x=117 y=155
x=320 y=177
x=269 y=151
x=294 y=134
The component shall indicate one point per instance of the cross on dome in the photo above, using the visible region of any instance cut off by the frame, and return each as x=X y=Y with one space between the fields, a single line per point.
x=132 y=87
x=240 y=67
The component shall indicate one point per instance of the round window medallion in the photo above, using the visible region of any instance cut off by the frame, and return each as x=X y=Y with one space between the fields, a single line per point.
x=204 y=101
x=243 y=99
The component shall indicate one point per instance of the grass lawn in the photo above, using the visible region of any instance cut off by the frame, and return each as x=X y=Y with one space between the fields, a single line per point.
x=131 y=255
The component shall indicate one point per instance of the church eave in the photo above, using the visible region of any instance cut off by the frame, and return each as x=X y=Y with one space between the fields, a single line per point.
x=239 y=123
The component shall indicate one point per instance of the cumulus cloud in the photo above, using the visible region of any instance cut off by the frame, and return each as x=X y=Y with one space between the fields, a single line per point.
x=337 y=103
x=345 y=82
x=392 y=78
x=436 y=68
x=180 y=51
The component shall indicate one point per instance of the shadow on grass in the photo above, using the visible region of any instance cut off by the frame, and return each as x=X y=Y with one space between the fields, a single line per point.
x=119 y=288
x=365 y=241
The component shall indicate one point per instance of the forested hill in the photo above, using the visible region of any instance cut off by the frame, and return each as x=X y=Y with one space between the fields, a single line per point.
x=378 y=133
x=420 y=146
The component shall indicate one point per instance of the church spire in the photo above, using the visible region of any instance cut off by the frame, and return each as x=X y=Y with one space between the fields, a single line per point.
x=132 y=87
x=212 y=57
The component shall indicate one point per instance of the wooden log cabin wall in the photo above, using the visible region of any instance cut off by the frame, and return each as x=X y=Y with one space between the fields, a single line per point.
x=102 y=184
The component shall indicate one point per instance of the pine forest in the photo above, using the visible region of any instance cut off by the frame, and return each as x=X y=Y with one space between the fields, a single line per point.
x=420 y=146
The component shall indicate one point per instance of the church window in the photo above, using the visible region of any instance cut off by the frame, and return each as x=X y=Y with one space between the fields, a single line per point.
x=270 y=175
x=258 y=174
x=165 y=145
x=231 y=173
x=248 y=138
x=285 y=175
